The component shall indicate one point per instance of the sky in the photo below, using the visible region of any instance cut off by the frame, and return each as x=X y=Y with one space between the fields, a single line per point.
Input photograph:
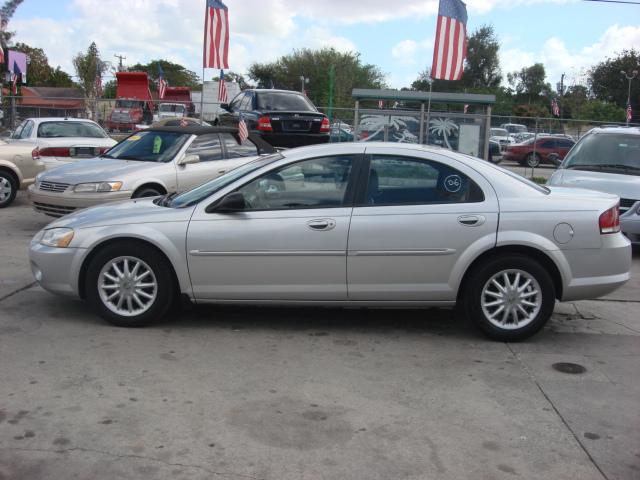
x=567 y=36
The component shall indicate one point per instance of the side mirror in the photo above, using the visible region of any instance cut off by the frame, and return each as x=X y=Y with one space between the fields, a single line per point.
x=225 y=106
x=233 y=202
x=189 y=159
x=554 y=158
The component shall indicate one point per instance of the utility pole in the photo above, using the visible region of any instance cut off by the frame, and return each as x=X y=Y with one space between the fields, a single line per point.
x=120 y=58
x=332 y=80
x=561 y=92
x=633 y=75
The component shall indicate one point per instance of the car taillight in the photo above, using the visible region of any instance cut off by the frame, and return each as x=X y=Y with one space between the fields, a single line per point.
x=325 y=126
x=35 y=153
x=609 y=220
x=264 y=124
x=100 y=151
x=54 y=152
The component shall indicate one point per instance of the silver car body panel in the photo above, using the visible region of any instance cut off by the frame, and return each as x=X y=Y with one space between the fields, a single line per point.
x=378 y=256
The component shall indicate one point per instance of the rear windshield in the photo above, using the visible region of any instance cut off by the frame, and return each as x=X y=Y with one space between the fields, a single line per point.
x=603 y=151
x=70 y=129
x=285 y=102
x=499 y=132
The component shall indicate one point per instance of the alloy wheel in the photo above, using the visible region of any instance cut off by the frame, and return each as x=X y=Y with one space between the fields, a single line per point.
x=127 y=286
x=5 y=189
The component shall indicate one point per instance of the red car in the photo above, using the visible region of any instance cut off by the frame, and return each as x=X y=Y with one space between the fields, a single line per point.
x=524 y=154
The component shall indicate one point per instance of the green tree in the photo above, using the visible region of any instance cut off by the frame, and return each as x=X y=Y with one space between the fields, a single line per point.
x=608 y=84
x=6 y=12
x=109 y=89
x=529 y=83
x=235 y=77
x=315 y=64
x=175 y=74
x=602 y=111
x=88 y=67
x=482 y=67
x=40 y=73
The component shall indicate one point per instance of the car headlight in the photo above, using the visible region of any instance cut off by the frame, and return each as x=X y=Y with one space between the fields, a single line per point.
x=97 y=187
x=57 y=237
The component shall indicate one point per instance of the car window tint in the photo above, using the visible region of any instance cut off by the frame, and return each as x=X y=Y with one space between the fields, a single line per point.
x=407 y=181
x=316 y=183
x=606 y=149
x=236 y=101
x=284 y=101
x=565 y=143
x=236 y=150
x=245 y=104
x=548 y=144
x=207 y=147
x=70 y=129
x=26 y=131
x=149 y=146
x=18 y=130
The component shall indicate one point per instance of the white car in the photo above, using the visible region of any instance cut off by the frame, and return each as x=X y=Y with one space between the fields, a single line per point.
x=63 y=140
x=501 y=136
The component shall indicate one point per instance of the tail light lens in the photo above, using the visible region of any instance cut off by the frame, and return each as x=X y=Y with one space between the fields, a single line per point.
x=609 y=220
x=54 y=152
x=325 y=126
x=264 y=124
x=35 y=153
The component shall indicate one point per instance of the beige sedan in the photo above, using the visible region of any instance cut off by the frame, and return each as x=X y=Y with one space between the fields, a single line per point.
x=18 y=169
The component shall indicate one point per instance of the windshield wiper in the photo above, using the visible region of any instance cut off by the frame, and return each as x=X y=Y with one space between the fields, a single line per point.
x=583 y=165
x=166 y=199
x=602 y=166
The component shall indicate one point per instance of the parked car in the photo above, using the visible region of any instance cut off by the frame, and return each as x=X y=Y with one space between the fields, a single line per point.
x=341 y=132
x=495 y=152
x=370 y=224
x=19 y=166
x=608 y=160
x=532 y=153
x=514 y=127
x=522 y=136
x=501 y=136
x=63 y=140
x=146 y=164
x=283 y=118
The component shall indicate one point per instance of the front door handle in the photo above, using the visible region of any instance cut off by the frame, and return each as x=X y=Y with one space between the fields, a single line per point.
x=471 y=220
x=321 y=224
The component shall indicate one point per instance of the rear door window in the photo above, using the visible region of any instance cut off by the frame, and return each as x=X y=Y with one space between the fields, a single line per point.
x=207 y=147
x=237 y=150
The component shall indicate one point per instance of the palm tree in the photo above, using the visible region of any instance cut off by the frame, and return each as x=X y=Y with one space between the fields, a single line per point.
x=443 y=127
x=377 y=123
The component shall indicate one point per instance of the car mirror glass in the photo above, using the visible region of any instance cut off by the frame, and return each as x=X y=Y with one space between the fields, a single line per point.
x=233 y=202
x=224 y=106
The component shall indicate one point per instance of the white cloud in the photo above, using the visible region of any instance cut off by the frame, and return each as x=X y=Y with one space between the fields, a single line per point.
x=319 y=37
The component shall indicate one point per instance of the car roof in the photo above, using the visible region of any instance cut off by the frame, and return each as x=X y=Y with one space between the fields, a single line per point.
x=271 y=90
x=59 y=119
x=617 y=129
x=200 y=130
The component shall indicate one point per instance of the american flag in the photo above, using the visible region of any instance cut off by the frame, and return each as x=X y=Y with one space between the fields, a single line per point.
x=222 y=89
x=380 y=104
x=216 y=35
x=243 y=132
x=466 y=108
x=162 y=83
x=14 y=78
x=555 y=109
x=629 y=113
x=451 y=41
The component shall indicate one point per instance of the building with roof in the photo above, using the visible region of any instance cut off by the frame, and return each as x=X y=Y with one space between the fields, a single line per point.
x=51 y=102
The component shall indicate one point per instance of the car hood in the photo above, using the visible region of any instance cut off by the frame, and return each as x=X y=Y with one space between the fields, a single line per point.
x=137 y=211
x=76 y=142
x=96 y=170
x=625 y=186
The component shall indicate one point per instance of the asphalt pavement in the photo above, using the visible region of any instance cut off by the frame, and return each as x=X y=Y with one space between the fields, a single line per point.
x=272 y=393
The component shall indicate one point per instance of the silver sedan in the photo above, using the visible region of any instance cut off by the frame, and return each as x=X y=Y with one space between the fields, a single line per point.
x=354 y=224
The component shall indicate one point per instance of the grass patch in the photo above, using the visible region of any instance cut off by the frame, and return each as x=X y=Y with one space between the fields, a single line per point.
x=539 y=180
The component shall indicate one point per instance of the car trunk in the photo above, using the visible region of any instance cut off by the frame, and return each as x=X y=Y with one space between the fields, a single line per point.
x=295 y=122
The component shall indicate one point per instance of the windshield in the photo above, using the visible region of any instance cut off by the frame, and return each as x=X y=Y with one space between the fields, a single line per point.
x=171 y=108
x=192 y=197
x=129 y=103
x=70 y=129
x=600 y=151
x=285 y=102
x=149 y=146
x=499 y=132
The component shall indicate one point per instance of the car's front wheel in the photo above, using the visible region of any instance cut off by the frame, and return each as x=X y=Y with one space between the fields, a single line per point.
x=8 y=188
x=509 y=297
x=532 y=160
x=129 y=284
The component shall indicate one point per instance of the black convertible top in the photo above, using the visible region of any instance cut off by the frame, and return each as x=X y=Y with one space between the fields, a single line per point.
x=263 y=146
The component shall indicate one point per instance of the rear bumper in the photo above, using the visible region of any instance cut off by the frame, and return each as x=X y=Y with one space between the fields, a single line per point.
x=59 y=204
x=630 y=224
x=598 y=272
x=292 y=140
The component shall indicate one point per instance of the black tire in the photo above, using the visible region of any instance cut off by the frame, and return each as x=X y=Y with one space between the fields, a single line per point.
x=481 y=276
x=146 y=192
x=8 y=188
x=166 y=288
x=532 y=160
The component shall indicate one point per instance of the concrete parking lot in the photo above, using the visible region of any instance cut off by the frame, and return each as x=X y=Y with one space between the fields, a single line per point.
x=266 y=393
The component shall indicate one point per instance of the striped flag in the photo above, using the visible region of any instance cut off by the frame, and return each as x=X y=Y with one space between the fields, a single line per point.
x=216 y=35
x=243 y=131
x=450 y=48
x=629 y=113
x=555 y=109
x=162 y=83
x=222 y=89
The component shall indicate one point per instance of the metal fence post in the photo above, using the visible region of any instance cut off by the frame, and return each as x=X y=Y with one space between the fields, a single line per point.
x=421 y=136
x=487 y=133
x=356 y=115
x=13 y=113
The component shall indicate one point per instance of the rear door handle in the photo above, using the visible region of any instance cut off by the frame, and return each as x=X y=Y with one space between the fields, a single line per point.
x=471 y=220
x=321 y=224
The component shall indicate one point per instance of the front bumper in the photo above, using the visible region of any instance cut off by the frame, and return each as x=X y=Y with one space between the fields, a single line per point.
x=56 y=269
x=59 y=204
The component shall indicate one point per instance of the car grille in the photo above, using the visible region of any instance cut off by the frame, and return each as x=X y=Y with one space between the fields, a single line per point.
x=626 y=204
x=53 y=187
x=52 y=210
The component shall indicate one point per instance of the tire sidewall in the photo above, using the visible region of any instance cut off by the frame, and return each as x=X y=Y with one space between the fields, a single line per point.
x=14 y=189
x=146 y=192
x=166 y=285
x=532 y=160
x=473 y=295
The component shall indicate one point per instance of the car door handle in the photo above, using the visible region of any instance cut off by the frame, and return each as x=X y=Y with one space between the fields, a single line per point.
x=321 y=224
x=471 y=220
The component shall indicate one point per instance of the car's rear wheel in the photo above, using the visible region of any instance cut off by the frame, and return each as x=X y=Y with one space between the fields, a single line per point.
x=509 y=297
x=129 y=284
x=532 y=160
x=145 y=192
x=8 y=188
